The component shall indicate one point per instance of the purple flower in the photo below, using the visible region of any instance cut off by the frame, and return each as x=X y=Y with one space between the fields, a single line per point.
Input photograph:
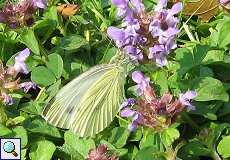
x=128 y=102
x=40 y=3
x=164 y=28
x=21 y=13
x=186 y=98
x=136 y=118
x=7 y=99
x=20 y=66
x=26 y=86
x=118 y=35
x=122 y=6
x=126 y=39
x=134 y=53
x=120 y=3
x=101 y=153
x=224 y=2
x=141 y=80
x=137 y=5
x=161 y=4
x=142 y=31
x=158 y=53
x=2 y=18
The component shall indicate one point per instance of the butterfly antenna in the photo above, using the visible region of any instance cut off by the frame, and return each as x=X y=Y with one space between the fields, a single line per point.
x=104 y=35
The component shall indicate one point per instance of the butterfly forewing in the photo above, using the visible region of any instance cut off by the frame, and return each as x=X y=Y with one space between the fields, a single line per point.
x=88 y=103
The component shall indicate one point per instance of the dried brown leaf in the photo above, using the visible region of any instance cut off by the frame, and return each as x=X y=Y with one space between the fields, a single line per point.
x=204 y=9
x=67 y=10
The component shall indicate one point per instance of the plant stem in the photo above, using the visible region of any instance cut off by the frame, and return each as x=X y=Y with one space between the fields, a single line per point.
x=122 y=119
x=215 y=156
x=188 y=119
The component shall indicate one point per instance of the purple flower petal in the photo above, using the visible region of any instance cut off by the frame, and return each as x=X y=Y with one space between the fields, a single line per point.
x=155 y=30
x=137 y=76
x=2 y=17
x=176 y=8
x=154 y=50
x=7 y=99
x=26 y=86
x=40 y=3
x=134 y=53
x=161 y=4
x=132 y=126
x=141 y=80
x=120 y=3
x=162 y=61
x=20 y=65
x=116 y=34
x=191 y=107
x=128 y=102
x=189 y=95
x=170 y=44
x=171 y=32
x=137 y=118
x=138 y=5
x=127 y=112
x=224 y=2
x=186 y=97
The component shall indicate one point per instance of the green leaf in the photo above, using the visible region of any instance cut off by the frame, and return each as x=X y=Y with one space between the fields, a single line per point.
x=136 y=136
x=55 y=64
x=207 y=109
x=41 y=126
x=23 y=154
x=169 y=136
x=3 y=115
x=214 y=56
x=72 y=43
x=206 y=72
x=28 y=38
x=109 y=53
x=160 y=78
x=209 y=89
x=147 y=153
x=188 y=59
x=52 y=15
x=15 y=121
x=194 y=149
x=42 y=76
x=78 y=144
x=151 y=139
x=223 y=147
x=4 y=131
x=214 y=134
x=224 y=35
x=42 y=150
x=21 y=133
x=119 y=136
x=225 y=110
x=68 y=153
x=54 y=88
x=32 y=107
x=133 y=150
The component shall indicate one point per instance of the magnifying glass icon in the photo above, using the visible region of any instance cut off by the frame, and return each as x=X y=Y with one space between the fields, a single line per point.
x=9 y=147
